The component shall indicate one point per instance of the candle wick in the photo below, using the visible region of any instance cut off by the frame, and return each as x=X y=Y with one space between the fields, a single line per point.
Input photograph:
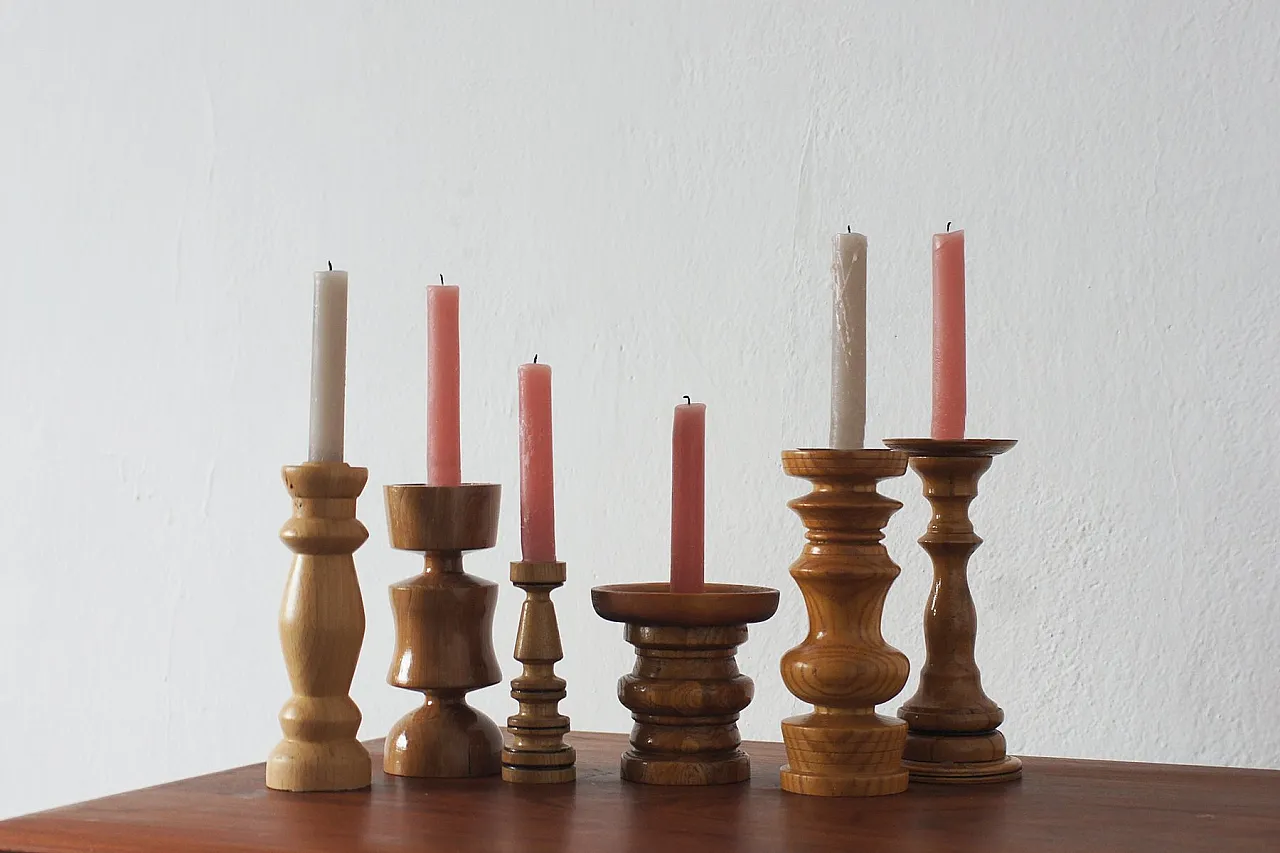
x=330 y=266
x=687 y=400
x=948 y=227
x=850 y=227
x=442 y=278
x=535 y=358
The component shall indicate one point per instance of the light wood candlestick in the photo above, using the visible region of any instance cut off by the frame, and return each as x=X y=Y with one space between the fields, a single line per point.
x=538 y=753
x=444 y=631
x=685 y=692
x=844 y=668
x=321 y=630
x=954 y=728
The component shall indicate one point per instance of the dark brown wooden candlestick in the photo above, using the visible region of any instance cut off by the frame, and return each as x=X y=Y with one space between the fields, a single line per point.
x=953 y=727
x=685 y=692
x=538 y=753
x=844 y=668
x=321 y=630
x=444 y=631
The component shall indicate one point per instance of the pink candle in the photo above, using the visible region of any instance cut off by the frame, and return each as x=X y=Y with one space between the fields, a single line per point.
x=537 y=477
x=948 y=336
x=444 y=452
x=688 y=493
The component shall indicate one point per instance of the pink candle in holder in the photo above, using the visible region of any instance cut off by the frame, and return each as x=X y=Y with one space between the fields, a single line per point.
x=537 y=474
x=688 y=497
x=444 y=446
x=949 y=394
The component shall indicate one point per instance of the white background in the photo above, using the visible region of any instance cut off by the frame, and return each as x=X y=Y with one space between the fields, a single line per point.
x=643 y=194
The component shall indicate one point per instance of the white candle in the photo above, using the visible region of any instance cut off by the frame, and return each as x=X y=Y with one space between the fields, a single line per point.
x=328 y=366
x=849 y=342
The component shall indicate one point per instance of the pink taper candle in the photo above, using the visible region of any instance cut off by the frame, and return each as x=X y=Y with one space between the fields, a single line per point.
x=537 y=477
x=948 y=336
x=444 y=452
x=688 y=496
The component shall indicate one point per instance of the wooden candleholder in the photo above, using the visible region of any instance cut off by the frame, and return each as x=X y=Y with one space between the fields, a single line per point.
x=538 y=753
x=685 y=692
x=844 y=668
x=321 y=630
x=954 y=735
x=444 y=631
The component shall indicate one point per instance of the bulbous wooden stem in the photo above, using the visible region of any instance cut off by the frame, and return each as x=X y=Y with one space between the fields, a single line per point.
x=321 y=631
x=444 y=632
x=538 y=753
x=685 y=692
x=844 y=667
x=953 y=726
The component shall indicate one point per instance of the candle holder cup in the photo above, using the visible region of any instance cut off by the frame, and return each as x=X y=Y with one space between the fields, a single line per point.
x=844 y=667
x=953 y=726
x=444 y=631
x=685 y=692
x=321 y=631
x=538 y=753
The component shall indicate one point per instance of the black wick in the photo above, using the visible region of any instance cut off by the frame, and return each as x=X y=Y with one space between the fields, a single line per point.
x=535 y=358
x=850 y=227
x=330 y=266
x=687 y=400
x=442 y=278
x=948 y=227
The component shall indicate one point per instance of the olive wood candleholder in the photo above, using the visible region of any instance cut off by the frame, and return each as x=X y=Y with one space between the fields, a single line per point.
x=444 y=631
x=685 y=692
x=538 y=753
x=321 y=631
x=844 y=668
x=953 y=727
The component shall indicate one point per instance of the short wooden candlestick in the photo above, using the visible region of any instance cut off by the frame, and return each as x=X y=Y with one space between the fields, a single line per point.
x=685 y=692
x=954 y=728
x=444 y=631
x=844 y=668
x=321 y=630
x=538 y=753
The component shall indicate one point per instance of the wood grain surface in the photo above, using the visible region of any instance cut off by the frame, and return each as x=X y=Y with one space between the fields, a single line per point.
x=1061 y=806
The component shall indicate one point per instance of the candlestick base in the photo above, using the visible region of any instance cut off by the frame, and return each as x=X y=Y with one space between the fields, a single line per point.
x=321 y=631
x=686 y=691
x=844 y=667
x=444 y=631
x=953 y=726
x=538 y=753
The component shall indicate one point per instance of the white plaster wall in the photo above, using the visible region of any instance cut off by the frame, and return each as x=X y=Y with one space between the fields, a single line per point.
x=642 y=193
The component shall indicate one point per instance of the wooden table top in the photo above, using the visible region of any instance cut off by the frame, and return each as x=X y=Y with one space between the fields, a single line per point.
x=1060 y=805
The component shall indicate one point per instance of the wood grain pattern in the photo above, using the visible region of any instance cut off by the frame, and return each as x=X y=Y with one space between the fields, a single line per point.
x=444 y=631
x=538 y=753
x=1061 y=806
x=321 y=631
x=844 y=668
x=685 y=692
x=953 y=726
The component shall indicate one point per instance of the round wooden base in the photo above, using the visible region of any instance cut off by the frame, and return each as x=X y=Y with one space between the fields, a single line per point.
x=844 y=755
x=837 y=784
x=686 y=770
x=445 y=738
x=310 y=766
x=531 y=767
x=1006 y=770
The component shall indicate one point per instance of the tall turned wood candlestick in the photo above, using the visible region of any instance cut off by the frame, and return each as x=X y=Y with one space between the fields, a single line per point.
x=954 y=735
x=444 y=631
x=538 y=753
x=844 y=668
x=321 y=630
x=685 y=692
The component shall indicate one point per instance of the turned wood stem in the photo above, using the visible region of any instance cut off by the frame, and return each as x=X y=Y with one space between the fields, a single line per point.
x=844 y=668
x=538 y=753
x=953 y=725
x=321 y=631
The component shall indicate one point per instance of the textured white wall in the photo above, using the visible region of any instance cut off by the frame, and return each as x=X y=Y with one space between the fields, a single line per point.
x=643 y=194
